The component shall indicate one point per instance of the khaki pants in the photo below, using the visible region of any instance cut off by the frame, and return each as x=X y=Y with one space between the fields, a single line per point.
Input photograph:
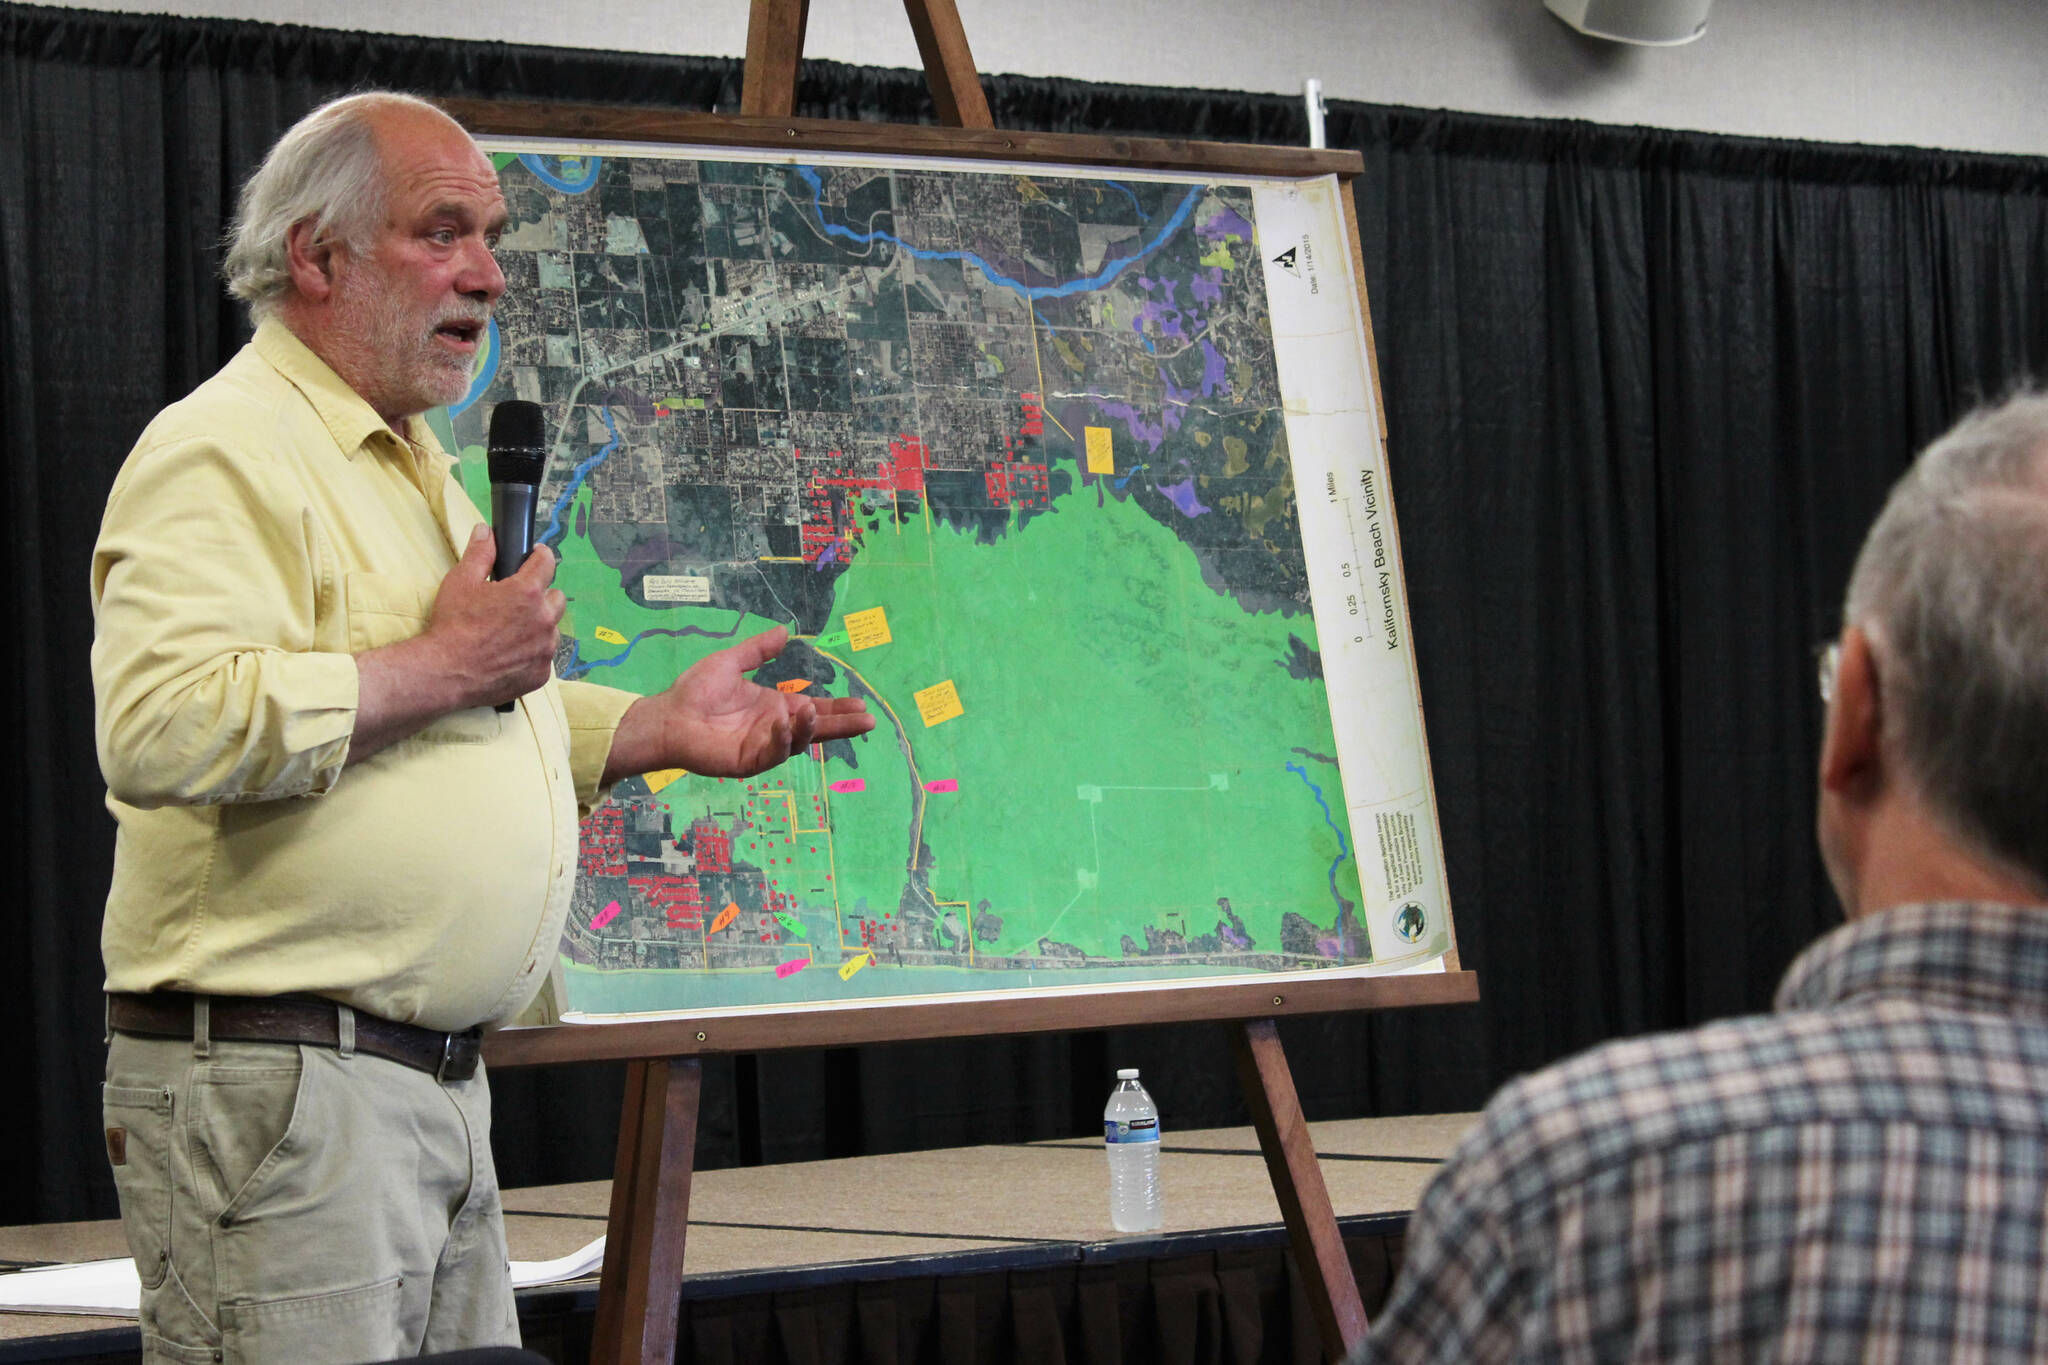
x=303 y=1204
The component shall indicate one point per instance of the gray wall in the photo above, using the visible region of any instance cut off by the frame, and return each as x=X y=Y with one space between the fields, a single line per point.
x=1938 y=73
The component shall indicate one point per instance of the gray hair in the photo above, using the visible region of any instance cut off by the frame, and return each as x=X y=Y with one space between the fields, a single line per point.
x=1952 y=588
x=326 y=168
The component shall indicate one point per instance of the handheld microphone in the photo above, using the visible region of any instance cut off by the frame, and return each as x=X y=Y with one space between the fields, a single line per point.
x=518 y=456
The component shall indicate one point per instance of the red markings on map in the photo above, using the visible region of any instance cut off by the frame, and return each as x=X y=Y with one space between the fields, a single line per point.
x=1025 y=485
x=603 y=845
x=850 y=784
x=790 y=968
x=711 y=845
x=944 y=784
x=909 y=457
x=682 y=881
x=870 y=930
x=1034 y=416
x=832 y=493
x=1014 y=482
x=679 y=899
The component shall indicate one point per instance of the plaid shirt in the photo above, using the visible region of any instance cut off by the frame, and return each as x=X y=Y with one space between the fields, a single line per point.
x=1861 y=1176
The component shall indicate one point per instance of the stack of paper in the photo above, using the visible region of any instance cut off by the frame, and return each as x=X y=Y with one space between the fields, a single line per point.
x=112 y=1289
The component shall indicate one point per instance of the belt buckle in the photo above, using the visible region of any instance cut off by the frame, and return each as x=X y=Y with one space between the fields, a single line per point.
x=447 y=1056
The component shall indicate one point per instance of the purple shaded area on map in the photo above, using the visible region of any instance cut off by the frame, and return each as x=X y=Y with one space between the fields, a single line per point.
x=1162 y=311
x=1232 y=937
x=1182 y=495
x=1224 y=224
x=1151 y=433
x=1206 y=288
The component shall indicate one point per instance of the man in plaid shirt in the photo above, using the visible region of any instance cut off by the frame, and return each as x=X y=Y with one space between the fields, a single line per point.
x=1862 y=1175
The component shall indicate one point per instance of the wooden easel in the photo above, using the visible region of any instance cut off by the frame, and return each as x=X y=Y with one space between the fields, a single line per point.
x=640 y=1288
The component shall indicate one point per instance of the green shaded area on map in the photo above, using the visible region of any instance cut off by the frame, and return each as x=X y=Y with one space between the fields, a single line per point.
x=1028 y=424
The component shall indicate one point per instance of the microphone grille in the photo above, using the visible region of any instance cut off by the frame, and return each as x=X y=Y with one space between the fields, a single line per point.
x=518 y=450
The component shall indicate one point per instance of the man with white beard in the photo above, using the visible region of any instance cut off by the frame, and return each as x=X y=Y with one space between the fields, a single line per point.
x=337 y=861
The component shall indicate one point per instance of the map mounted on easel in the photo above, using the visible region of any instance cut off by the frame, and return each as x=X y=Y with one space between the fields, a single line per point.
x=1075 y=476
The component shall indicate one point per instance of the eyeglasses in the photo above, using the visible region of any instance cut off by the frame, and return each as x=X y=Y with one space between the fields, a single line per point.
x=1827 y=658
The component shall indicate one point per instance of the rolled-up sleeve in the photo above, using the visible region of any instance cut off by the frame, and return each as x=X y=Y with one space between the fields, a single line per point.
x=208 y=580
x=594 y=713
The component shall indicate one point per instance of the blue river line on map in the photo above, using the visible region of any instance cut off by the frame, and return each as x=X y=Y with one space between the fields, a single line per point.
x=578 y=666
x=538 y=165
x=1343 y=845
x=582 y=472
x=1030 y=293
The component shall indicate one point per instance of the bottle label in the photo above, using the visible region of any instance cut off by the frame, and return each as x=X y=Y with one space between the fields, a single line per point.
x=1137 y=1130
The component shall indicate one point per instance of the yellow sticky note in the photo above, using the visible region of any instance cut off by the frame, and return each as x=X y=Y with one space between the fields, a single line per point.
x=1101 y=459
x=609 y=636
x=853 y=965
x=940 y=701
x=866 y=629
x=657 y=780
x=792 y=684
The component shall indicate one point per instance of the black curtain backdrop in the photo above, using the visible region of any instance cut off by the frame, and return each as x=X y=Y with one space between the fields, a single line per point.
x=1645 y=390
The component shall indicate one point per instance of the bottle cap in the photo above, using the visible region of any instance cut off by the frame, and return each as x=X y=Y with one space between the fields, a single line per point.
x=1129 y=1073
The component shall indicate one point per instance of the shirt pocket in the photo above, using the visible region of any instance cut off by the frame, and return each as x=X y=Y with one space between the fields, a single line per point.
x=383 y=610
x=140 y=1142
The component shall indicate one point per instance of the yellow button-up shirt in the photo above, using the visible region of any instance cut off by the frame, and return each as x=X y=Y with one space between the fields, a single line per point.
x=263 y=531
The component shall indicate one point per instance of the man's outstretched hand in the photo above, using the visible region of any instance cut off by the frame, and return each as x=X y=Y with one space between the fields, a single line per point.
x=713 y=720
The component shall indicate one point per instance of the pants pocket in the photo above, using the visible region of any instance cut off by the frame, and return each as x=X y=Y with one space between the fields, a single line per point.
x=158 y=1350
x=340 y=1328
x=244 y=1120
x=140 y=1143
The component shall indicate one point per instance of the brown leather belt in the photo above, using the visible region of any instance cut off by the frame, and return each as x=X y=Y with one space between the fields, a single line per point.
x=297 y=1019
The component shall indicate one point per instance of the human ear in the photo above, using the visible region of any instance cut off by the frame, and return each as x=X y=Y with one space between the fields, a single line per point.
x=1852 y=750
x=311 y=260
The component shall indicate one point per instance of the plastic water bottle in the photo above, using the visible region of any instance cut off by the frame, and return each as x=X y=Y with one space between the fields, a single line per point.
x=1130 y=1134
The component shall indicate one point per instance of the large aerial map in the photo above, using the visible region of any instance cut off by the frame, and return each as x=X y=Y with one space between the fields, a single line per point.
x=1017 y=456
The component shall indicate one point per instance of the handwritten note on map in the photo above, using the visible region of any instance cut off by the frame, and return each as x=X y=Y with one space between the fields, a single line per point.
x=866 y=629
x=939 y=702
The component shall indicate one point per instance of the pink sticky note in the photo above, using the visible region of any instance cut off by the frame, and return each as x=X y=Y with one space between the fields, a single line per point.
x=944 y=784
x=791 y=967
x=605 y=916
x=851 y=784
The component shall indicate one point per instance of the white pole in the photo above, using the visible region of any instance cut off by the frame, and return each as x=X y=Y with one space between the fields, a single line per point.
x=1312 y=95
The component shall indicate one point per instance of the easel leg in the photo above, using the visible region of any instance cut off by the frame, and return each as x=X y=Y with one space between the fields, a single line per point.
x=775 y=47
x=1298 y=1182
x=643 y=1250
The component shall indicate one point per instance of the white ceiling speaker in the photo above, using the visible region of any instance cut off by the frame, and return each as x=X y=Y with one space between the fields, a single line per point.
x=1655 y=23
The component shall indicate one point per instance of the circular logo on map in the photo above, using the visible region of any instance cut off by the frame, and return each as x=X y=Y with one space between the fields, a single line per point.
x=1409 y=923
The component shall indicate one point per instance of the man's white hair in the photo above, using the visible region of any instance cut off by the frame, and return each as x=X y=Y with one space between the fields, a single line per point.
x=326 y=168
x=1950 y=588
